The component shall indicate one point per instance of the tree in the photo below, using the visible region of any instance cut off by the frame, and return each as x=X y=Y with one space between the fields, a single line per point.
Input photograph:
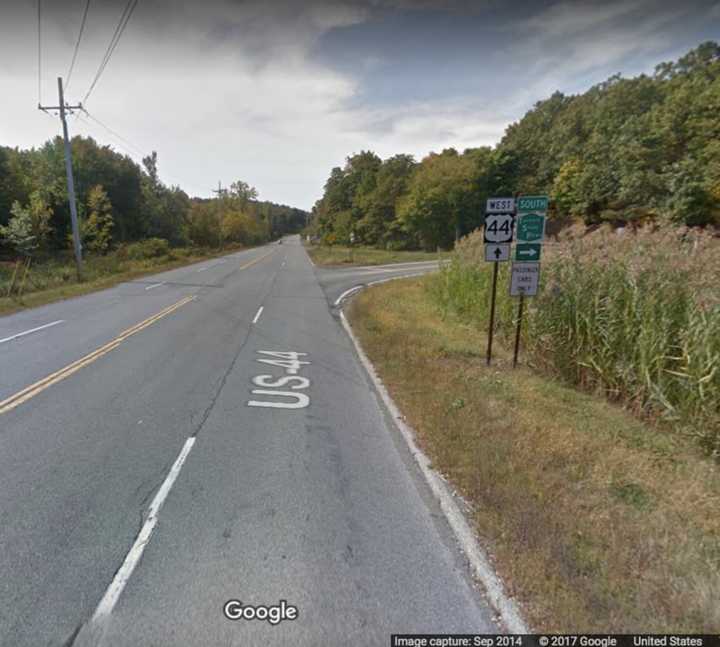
x=241 y=194
x=205 y=224
x=96 y=229
x=238 y=227
x=19 y=231
x=442 y=200
x=29 y=228
x=378 y=225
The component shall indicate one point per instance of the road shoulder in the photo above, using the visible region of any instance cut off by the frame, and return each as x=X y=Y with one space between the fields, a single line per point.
x=594 y=520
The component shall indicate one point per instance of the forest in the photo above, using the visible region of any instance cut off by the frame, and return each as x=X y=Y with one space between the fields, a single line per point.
x=121 y=202
x=627 y=152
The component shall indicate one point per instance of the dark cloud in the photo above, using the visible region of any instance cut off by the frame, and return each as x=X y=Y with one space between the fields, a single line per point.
x=277 y=93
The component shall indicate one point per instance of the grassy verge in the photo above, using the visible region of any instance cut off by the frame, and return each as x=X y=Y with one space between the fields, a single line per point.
x=597 y=521
x=325 y=255
x=635 y=317
x=55 y=280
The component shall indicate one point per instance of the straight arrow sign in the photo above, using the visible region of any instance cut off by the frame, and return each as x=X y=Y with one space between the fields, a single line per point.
x=497 y=253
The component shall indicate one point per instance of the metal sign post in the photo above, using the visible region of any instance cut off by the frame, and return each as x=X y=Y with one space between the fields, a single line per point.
x=517 y=330
x=525 y=274
x=498 y=233
x=492 y=314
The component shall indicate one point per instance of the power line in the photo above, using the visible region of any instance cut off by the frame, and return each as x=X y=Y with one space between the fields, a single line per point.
x=110 y=48
x=129 y=148
x=136 y=149
x=126 y=150
x=77 y=45
x=39 y=13
x=124 y=19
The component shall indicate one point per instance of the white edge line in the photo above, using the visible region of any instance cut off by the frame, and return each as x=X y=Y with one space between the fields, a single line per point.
x=257 y=314
x=352 y=291
x=407 y=265
x=28 y=332
x=347 y=293
x=113 y=592
x=155 y=285
x=202 y=269
x=479 y=562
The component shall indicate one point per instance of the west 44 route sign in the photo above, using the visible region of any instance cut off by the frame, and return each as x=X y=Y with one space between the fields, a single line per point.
x=498 y=228
x=500 y=205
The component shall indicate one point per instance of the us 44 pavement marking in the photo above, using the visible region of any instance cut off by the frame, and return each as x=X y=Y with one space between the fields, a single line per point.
x=286 y=391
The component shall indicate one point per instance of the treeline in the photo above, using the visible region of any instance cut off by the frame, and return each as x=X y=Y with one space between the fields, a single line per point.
x=627 y=150
x=120 y=202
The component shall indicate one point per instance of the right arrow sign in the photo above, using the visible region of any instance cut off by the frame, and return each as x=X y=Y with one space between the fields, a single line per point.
x=528 y=252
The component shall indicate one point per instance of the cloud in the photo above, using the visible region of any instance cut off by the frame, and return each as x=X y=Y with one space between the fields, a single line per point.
x=277 y=93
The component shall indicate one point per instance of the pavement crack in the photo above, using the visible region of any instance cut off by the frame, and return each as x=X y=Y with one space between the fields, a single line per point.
x=231 y=367
x=73 y=636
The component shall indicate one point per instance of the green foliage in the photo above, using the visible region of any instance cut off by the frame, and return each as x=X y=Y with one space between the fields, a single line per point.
x=442 y=202
x=646 y=148
x=19 y=231
x=378 y=224
x=148 y=248
x=96 y=228
x=205 y=223
x=141 y=205
x=636 y=323
x=239 y=227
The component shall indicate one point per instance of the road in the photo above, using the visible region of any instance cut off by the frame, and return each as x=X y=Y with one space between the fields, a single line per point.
x=143 y=484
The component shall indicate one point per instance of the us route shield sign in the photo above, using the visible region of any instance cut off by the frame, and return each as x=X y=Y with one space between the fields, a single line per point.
x=498 y=228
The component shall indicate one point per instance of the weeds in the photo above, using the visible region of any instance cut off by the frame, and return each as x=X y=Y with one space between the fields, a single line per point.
x=635 y=316
x=56 y=278
x=359 y=255
x=596 y=520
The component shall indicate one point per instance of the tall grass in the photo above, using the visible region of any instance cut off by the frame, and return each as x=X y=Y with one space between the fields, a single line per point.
x=634 y=316
x=55 y=277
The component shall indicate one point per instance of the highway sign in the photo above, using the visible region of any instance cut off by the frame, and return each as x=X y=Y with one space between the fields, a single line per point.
x=497 y=253
x=499 y=228
x=528 y=252
x=530 y=227
x=524 y=279
x=532 y=203
x=500 y=205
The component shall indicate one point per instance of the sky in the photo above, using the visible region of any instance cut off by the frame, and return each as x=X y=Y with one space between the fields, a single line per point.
x=277 y=92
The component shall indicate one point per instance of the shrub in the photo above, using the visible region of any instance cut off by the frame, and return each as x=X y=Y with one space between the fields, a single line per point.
x=149 y=248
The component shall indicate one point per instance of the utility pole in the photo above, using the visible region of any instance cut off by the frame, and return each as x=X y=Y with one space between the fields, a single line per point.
x=65 y=109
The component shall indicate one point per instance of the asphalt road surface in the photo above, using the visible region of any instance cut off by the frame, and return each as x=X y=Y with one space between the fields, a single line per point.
x=204 y=435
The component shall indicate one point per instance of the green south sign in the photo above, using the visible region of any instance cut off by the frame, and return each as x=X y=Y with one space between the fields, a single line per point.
x=532 y=203
x=530 y=228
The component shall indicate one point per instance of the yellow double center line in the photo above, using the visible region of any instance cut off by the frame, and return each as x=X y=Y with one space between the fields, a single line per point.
x=32 y=390
x=256 y=260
